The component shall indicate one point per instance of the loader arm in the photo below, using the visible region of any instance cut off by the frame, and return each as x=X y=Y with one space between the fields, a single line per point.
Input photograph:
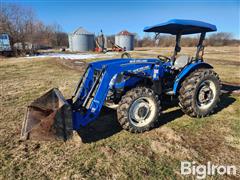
x=93 y=90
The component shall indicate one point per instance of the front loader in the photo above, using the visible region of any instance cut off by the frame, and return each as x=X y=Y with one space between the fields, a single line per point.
x=55 y=115
x=135 y=87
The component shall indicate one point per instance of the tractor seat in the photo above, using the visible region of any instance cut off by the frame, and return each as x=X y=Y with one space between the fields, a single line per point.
x=181 y=62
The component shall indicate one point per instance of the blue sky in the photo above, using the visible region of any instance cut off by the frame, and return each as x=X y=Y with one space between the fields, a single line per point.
x=114 y=16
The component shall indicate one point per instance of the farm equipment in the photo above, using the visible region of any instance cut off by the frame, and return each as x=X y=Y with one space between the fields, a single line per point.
x=116 y=47
x=101 y=43
x=17 y=49
x=136 y=87
x=5 y=46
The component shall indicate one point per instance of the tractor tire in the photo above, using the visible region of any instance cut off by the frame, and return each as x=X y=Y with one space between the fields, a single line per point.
x=200 y=92
x=139 y=110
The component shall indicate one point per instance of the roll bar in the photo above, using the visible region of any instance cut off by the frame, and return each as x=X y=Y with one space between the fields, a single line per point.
x=177 y=48
x=200 y=47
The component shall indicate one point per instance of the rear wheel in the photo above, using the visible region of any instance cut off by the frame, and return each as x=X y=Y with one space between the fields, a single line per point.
x=138 y=110
x=200 y=93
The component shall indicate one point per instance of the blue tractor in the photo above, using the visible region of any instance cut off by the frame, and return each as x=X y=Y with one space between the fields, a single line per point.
x=135 y=87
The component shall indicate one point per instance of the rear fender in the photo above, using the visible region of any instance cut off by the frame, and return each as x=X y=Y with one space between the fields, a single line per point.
x=185 y=72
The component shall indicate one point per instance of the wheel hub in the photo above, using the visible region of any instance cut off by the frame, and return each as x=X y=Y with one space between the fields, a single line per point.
x=141 y=111
x=206 y=94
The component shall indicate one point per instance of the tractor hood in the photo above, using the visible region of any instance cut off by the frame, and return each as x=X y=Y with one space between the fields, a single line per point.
x=104 y=63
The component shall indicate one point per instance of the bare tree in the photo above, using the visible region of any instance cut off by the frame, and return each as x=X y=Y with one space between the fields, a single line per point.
x=58 y=37
x=21 y=24
x=220 y=39
x=18 y=22
x=216 y=39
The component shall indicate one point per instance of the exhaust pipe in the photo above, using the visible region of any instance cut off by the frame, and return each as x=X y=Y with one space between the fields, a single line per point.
x=48 y=118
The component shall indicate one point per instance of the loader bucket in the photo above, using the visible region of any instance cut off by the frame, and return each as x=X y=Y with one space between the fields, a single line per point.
x=48 y=118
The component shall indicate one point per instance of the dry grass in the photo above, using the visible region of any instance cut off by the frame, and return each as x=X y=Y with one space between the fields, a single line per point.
x=107 y=152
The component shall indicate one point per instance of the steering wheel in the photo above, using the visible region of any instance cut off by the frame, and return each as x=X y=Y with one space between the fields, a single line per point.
x=125 y=54
x=164 y=58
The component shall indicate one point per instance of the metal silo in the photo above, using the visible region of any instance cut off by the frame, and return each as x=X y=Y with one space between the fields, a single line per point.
x=70 y=41
x=81 y=40
x=125 y=40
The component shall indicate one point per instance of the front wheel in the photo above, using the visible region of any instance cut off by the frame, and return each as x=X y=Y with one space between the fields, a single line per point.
x=199 y=93
x=138 y=110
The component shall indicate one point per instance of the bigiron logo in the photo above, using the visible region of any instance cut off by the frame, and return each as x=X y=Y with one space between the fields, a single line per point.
x=202 y=171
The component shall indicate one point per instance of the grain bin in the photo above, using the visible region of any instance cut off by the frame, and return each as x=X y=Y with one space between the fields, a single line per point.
x=81 y=40
x=125 y=40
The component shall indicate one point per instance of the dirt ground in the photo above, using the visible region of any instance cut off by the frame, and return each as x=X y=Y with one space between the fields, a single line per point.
x=104 y=150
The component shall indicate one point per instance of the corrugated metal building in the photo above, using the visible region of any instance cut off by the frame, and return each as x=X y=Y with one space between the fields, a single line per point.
x=81 y=40
x=125 y=40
